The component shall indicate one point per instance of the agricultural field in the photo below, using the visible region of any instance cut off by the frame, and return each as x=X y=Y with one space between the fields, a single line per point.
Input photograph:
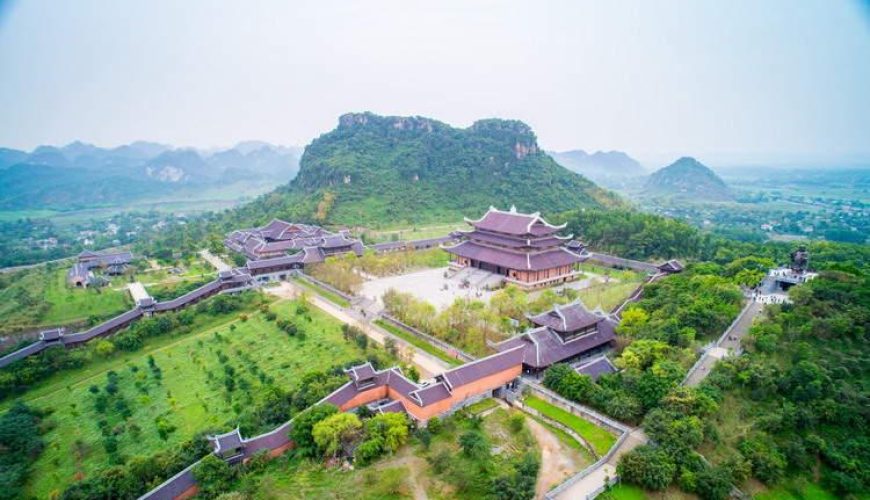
x=39 y=296
x=432 y=464
x=163 y=396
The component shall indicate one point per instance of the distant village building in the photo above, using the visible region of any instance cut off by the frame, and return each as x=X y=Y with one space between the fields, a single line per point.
x=563 y=334
x=524 y=248
x=81 y=273
x=279 y=238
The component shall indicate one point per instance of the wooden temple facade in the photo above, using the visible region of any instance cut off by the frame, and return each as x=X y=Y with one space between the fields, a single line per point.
x=524 y=248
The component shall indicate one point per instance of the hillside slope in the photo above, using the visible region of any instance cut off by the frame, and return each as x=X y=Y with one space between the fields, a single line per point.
x=689 y=179
x=378 y=170
x=600 y=165
x=81 y=175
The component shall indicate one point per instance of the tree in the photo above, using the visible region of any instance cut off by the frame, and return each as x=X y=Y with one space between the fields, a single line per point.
x=303 y=427
x=713 y=483
x=390 y=428
x=213 y=476
x=335 y=432
x=648 y=467
x=104 y=348
x=474 y=444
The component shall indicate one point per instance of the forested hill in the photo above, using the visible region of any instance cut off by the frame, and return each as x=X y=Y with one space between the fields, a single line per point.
x=373 y=170
x=689 y=179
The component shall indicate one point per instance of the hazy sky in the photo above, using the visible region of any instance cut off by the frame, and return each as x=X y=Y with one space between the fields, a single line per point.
x=726 y=81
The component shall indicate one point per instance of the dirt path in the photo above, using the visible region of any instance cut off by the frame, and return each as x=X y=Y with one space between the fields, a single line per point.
x=414 y=465
x=558 y=461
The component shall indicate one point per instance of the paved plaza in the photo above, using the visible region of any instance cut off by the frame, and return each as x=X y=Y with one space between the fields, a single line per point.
x=433 y=285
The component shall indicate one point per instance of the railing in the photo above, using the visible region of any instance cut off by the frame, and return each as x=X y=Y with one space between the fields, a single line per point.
x=571 y=481
x=326 y=286
x=575 y=408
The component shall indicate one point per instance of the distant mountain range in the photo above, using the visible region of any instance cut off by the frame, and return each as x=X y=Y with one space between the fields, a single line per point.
x=604 y=167
x=688 y=179
x=80 y=174
x=391 y=169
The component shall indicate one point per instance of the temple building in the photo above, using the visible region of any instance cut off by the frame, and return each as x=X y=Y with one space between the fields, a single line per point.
x=390 y=391
x=563 y=334
x=524 y=248
x=280 y=238
x=81 y=273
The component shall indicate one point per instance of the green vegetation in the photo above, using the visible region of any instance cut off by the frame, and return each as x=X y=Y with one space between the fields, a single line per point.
x=346 y=272
x=214 y=378
x=800 y=391
x=323 y=292
x=600 y=439
x=468 y=324
x=482 y=406
x=408 y=170
x=418 y=343
x=623 y=491
x=452 y=458
x=20 y=444
x=687 y=178
x=40 y=296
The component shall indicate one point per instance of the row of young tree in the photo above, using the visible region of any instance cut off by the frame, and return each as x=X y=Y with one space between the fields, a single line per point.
x=18 y=377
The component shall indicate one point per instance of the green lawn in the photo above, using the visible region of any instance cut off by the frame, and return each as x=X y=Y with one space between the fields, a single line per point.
x=806 y=491
x=624 y=491
x=600 y=439
x=482 y=406
x=323 y=292
x=418 y=342
x=40 y=296
x=191 y=396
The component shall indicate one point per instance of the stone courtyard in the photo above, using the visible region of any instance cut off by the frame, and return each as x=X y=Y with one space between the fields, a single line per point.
x=434 y=285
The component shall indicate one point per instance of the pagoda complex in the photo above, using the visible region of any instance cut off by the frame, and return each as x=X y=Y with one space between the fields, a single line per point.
x=524 y=248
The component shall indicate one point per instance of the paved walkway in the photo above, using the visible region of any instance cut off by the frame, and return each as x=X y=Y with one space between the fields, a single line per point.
x=428 y=365
x=597 y=479
x=214 y=260
x=137 y=291
x=729 y=345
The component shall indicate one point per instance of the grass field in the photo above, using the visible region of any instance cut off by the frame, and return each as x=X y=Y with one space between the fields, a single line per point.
x=323 y=292
x=607 y=296
x=419 y=343
x=600 y=439
x=40 y=296
x=624 y=491
x=190 y=396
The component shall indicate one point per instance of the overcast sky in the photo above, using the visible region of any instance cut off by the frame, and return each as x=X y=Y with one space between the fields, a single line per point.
x=726 y=81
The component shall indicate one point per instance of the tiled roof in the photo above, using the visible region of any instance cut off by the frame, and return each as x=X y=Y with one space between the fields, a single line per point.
x=513 y=222
x=543 y=347
x=431 y=394
x=547 y=259
x=483 y=367
x=230 y=441
x=596 y=367
x=566 y=318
